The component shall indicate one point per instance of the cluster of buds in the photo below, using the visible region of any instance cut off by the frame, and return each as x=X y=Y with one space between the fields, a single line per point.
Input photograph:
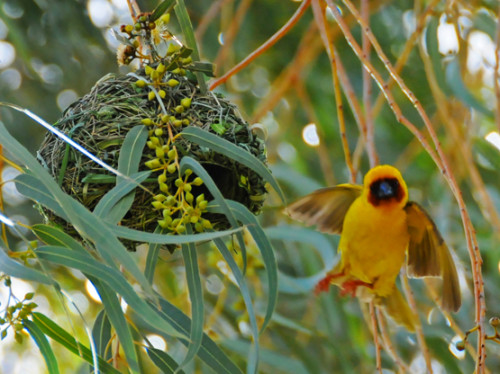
x=176 y=116
x=16 y=313
x=143 y=27
x=150 y=33
x=176 y=202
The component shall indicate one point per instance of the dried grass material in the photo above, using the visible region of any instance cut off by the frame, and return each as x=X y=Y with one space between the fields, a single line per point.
x=101 y=120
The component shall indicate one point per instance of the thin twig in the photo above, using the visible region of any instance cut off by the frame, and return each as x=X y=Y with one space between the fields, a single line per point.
x=2 y=164
x=378 y=347
x=367 y=92
x=403 y=57
x=265 y=46
x=134 y=9
x=319 y=16
x=496 y=72
x=418 y=325
x=389 y=347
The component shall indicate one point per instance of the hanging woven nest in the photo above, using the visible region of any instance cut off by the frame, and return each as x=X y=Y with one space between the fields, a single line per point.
x=100 y=121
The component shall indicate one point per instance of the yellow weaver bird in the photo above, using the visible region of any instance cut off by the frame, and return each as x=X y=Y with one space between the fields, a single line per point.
x=380 y=229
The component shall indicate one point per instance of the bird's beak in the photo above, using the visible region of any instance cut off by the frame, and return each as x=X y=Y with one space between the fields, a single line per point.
x=385 y=190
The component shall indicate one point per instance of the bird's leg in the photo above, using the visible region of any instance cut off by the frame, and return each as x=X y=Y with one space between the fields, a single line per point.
x=349 y=287
x=324 y=284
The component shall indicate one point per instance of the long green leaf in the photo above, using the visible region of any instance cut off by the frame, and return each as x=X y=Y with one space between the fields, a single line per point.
x=190 y=163
x=253 y=359
x=31 y=187
x=101 y=333
x=216 y=143
x=54 y=331
x=128 y=164
x=266 y=250
x=195 y=296
x=277 y=361
x=152 y=257
x=54 y=236
x=210 y=353
x=131 y=151
x=117 y=318
x=161 y=9
x=149 y=237
x=112 y=277
x=107 y=207
x=15 y=269
x=43 y=344
x=187 y=29
x=163 y=361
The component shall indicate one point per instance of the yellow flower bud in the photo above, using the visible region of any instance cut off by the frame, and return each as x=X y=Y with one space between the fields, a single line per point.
x=160 y=68
x=159 y=132
x=162 y=178
x=140 y=83
x=160 y=197
x=157 y=205
x=153 y=164
x=171 y=154
x=163 y=187
x=172 y=48
x=159 y=152
x=165 y=18
x=172 y=82
x=151 y=95
x=147 y=121
x=186 y=102
x=171 y=168
x=162 y=93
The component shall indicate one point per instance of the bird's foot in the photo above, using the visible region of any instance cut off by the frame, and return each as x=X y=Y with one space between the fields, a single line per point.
x=324 y=284
x=349 y=287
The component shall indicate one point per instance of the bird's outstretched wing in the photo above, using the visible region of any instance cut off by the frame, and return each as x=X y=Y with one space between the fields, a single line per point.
x=428 y=255
x=325 y=208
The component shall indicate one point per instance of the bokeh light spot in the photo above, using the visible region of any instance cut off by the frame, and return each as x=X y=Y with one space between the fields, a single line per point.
x=65 y=98
x=100 y=12
x=11 y=79
x=310 y=135
x=7 y=54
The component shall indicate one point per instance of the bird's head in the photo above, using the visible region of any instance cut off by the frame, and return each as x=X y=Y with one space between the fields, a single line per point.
x=384 y=185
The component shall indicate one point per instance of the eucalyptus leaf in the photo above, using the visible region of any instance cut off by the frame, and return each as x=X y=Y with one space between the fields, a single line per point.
x=57 y=333
x=43 y=344
x=15 y=269
x=216 y=143
x=196 y=298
